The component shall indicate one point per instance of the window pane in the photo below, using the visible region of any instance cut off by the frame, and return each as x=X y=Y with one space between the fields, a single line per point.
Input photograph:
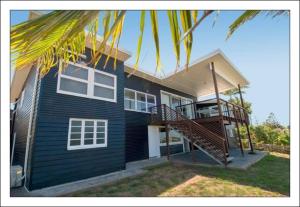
x=103 y=92
x=88 y=141
x=76 y=72
x=149 y=105
x=100 y=141
x=129 y=104
x=104 y=79
x=89 y=129
x=88 y=135
x=141 y=106
x=150 y=99
x=73 y=86
x=74 y=142
x=129 y=94
x=76 y=123
x=140 y=97
x=100 y=135
x=100 y=123
x=75 y=136
x=75 y=129
x=162 y=135
x=100 y=129
x=89 y=123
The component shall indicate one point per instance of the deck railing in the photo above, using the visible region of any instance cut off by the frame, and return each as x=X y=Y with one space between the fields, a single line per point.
x=229 y=110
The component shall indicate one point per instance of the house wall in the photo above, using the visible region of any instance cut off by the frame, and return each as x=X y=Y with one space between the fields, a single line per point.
x=22 y=120
x=52 y=163
x=137 y=122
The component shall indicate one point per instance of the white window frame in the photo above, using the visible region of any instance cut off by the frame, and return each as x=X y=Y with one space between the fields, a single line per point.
x=82 y=145
x=175 y=95
x=90 y=83
x=135 y=100
x=170 y=143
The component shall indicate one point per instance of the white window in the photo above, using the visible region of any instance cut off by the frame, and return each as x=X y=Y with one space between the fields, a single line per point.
x=138 y=101
x=79 y=80
x=174 y=137
x=87 y=133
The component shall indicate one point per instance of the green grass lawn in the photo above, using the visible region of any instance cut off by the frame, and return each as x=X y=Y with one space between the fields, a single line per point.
x=268 y=177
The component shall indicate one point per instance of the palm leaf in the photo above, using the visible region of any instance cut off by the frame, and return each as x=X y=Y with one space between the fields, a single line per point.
x=154 y=24
x=119 y=34
x=107 y=34
x=246 y=16
x=186 y=23
x=206 y=13
x=49 y=37
x=195 y=15
x=175 y=33
x=139 y=45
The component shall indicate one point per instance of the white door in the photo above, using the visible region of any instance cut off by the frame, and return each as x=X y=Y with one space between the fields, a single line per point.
x=153 y=141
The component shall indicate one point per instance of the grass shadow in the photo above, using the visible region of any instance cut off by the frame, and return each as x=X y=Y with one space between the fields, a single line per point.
x=268 y=177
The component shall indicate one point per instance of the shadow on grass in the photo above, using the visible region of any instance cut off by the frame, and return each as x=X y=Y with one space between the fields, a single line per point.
x=270 y=174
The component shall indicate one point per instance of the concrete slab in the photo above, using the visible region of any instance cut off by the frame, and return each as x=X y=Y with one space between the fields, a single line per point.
x=238 y=162
x=244 y=162
x=132 y=169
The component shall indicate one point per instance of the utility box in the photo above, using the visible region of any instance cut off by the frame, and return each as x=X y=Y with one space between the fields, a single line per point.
x=16 y=173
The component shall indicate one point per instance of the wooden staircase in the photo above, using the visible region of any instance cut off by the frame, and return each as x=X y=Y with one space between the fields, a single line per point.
x=209 y=142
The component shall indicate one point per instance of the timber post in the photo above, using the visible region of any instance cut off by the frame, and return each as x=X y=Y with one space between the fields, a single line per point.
x=212 y=67
x=247 y=125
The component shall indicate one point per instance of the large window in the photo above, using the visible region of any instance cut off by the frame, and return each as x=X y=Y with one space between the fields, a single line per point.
x=138 y=101
x=79 y=80
x=174 y=137
x=87 y=133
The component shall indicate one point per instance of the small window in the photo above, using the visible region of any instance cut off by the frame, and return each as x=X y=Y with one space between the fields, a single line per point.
x=174 y=137
x=79 y=80
x=129 y=99
x=138 y=101
x=87 y=133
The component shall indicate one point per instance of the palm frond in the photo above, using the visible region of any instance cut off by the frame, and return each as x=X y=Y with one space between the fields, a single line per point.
x=58 y=34
x=154 y=24
x=195 y=15
x=206 y=13
x=186 y=23
x=119 y=34
x=246 y=16
x=139 y=45
x=175 y=33
x=106 y=36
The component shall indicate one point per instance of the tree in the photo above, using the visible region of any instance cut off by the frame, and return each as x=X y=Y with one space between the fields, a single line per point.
x=61 y=34
x=237 y=101
x=272 y=121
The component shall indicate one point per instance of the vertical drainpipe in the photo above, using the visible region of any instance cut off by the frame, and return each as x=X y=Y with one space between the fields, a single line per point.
x=29 y=132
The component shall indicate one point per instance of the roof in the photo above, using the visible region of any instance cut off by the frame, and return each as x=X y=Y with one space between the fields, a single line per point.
x=197 y=80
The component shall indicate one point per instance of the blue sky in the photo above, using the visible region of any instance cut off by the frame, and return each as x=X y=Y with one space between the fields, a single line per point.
x=259 y=49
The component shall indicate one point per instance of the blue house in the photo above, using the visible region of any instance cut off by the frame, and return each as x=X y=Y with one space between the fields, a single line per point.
x=86 y=122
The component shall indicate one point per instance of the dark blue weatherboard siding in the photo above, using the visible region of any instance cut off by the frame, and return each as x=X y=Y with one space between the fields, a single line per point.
x=52 y=163
x=22 y=120
x=137 y=122
x=176 y=148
